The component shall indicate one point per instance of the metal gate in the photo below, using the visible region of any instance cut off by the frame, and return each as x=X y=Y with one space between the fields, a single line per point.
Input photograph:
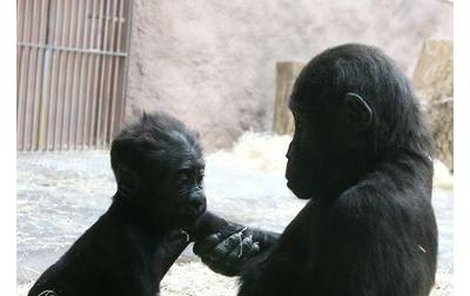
x=72 y=61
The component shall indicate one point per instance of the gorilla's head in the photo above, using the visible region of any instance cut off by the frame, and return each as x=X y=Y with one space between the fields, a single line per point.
x=159 y=168
x=352 y=108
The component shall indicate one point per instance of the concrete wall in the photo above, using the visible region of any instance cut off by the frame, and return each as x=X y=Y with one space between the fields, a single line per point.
x=212 y=62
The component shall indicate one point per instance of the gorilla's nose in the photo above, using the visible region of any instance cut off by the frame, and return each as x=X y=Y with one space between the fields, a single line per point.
x=198 y=203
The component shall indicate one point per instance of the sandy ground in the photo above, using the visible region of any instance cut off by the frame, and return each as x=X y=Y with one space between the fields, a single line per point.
x=208 y=283
x=61 y=194
x=192 y=278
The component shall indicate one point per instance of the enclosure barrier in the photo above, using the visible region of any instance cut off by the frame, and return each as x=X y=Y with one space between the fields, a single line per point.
x=72 y=64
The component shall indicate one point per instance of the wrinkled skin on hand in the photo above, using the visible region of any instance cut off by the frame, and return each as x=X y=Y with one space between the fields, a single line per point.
x=227 y=255
x=227 y=247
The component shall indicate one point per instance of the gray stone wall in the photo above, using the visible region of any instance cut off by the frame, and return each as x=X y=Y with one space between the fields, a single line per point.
x=434 y=84
x=212 y=63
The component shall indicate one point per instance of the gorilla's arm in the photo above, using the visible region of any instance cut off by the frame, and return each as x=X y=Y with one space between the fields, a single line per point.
x=172 y=245
x=226 y=247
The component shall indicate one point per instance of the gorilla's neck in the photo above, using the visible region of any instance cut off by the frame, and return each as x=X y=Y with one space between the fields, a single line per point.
x=404 y=165
x=411 y=169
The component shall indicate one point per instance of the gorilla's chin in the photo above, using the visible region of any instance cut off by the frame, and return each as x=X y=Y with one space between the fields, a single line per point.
x=190 y=216
x=299 y=190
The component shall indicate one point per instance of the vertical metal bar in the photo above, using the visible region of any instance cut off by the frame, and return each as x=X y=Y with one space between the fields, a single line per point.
x=105 y=63
x=23 y=94
x=37 y=65
x=95 y=4
x=62 y=97
x=116 y=84
x=51 y=84
x=19 y=38
x=109 y=75
x=56 y=70
x=19 y=20
x=50 y=105
x=37 y=73
x=129 y=12
x=44 y=104
x=96 y=76
x=68 y=77
x=90 y=97
x=60 y=74
x=83 y=106
x=59 y=23
x=109 y=62
x=32 y=81
x=52 y=101
x=55 y=90
x=22 y=82
x=81 y=68
x=75 y=78
x=41 y=36
x=46 y=79
x=53 y=115
x=72 y=75
x=64 y=73
x=102 y=78
x=28 y=17
x=104 y=70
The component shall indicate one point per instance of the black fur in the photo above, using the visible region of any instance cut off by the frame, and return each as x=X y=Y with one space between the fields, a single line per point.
x=158 y=167
x=362 y=155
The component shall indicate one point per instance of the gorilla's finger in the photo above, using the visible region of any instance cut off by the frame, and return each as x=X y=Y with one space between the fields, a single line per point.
x=240 y=252
x=255 y=248
x=226 y=246
x=206 y=246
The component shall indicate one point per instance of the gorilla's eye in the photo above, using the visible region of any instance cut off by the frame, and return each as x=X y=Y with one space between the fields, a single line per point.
x=190 y=176
x=200 y=176
x=184 y=175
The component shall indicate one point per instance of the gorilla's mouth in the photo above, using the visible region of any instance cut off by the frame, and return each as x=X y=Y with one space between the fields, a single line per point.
x=191 y=214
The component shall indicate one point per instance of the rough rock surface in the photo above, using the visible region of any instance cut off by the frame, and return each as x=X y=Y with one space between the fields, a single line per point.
x=433 y=80
x=212 y=63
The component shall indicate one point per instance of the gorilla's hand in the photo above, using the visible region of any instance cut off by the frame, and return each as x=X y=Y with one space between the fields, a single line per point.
x=227 y=254
x=225 y=246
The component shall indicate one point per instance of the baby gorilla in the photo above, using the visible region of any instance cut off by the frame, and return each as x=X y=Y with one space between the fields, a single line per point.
x=159 y=167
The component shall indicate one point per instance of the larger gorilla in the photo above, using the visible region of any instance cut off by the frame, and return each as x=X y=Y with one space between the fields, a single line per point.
x=362 y=156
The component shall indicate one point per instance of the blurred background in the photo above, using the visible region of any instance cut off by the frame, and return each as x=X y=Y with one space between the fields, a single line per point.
x=225 y=68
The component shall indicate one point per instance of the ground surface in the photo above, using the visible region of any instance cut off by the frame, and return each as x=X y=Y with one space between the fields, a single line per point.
x=62 y=194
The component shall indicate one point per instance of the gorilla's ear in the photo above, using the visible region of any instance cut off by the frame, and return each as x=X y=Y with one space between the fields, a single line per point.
x=359 y=113
x=123 y=162
x=123 y=150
